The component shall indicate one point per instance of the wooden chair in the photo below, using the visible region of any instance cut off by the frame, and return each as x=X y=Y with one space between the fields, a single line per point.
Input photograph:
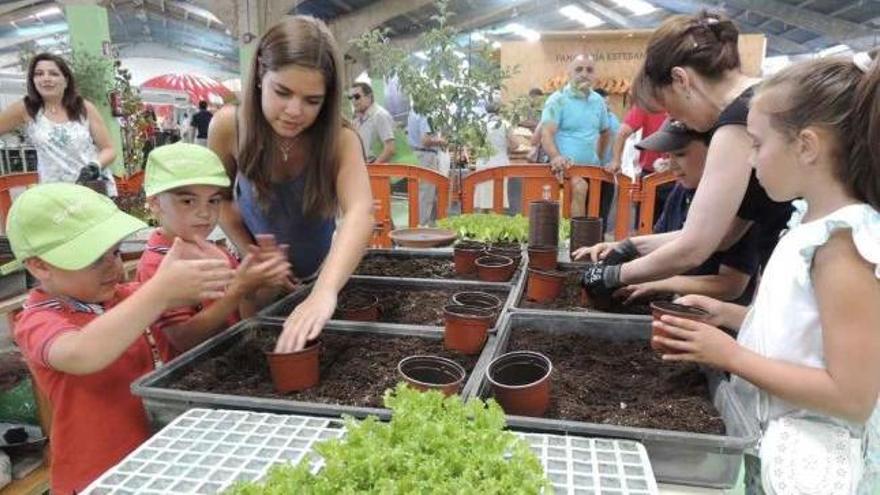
x=380 y=183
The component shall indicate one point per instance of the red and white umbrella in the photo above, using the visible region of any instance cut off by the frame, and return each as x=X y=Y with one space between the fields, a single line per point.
x=197 y=87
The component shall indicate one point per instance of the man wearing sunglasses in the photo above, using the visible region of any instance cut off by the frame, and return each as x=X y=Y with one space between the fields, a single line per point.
x=574 y=127
x=373 y=124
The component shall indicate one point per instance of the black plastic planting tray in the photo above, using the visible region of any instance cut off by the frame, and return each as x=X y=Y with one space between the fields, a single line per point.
x=164 y=398
x=401 y=288
x=676 y=456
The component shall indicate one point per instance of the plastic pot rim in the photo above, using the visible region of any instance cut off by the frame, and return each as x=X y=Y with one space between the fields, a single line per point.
x=459 y=369
x=511 y=354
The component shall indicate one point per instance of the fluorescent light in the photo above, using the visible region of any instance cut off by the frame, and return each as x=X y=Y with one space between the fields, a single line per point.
x=519 y=29
x=578 y=14
x=478 y=37
x=637 y=7
x=496 y=45
x=834 y=50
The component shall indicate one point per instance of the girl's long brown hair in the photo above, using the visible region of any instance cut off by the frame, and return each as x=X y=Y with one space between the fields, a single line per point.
x=834 y=94
x=306 y=42
x=71 y=100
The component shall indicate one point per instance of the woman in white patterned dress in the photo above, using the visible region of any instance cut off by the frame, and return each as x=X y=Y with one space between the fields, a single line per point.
x=66 y=130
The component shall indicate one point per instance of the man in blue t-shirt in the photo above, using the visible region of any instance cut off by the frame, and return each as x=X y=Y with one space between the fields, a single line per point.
x=727 y=275
x=575 y=128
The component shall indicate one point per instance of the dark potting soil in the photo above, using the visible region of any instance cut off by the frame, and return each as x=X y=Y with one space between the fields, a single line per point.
x=621 y=383
x=355 y=369
x=388 y=266
x=570 y=300
x=415 y=307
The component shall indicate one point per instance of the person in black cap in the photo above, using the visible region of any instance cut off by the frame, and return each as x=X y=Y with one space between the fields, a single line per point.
x=727 y=275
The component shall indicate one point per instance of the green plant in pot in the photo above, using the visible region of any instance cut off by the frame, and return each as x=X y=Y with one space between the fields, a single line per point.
x=449 y=88
x=493 y=228
x=431 y=445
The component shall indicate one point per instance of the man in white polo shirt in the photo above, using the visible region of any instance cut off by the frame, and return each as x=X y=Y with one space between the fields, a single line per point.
x=374 y=125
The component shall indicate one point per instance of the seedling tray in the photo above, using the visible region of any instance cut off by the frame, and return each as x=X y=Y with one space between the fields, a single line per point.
x=206 y=451
x=177 y=387
x=679 y=457
x=570 y=291
x=420 y=264
x=404 y=303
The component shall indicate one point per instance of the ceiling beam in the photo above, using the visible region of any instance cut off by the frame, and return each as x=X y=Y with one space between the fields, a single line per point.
x=608 y=15
x=349 y=26
x=847 y=8
x=837 y=30
x=12 y=7
x=494 y=16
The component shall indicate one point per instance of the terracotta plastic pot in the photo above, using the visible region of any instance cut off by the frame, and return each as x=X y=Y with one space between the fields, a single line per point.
x=477 y=299
x=359 y=306
x=521 y=382
x=464 y=254
x=295 y=371
x=467 y=328
x=660 y=308
x=432 y=373
x=544 y=285
x=544 y=223
x=492 y=268
x=508 y=251
x=543 y=257
x=585 y=232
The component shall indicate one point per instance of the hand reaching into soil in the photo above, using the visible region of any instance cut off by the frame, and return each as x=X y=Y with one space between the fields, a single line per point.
x=306 y=321
x=696 y=342
x=639 y=292
x=188 y=281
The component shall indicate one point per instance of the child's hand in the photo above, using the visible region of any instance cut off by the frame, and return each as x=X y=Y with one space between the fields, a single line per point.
x=260 y=268
x=714 y=307
x=268 y=247
x=697 y=342
x=186 y=281
x=638 y=292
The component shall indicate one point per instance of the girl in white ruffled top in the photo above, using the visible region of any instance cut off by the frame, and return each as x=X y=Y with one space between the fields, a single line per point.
x=806 y=361
x=66 y=130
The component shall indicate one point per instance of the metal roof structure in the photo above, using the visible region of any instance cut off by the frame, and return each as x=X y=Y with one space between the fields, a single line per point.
x=190 y=29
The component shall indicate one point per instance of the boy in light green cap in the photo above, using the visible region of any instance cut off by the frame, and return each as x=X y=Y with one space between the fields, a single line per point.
x=85 y=335
x=184 y=184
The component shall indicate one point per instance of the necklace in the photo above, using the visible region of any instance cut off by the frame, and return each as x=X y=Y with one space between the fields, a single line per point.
x=52 y=110
x=284 y=147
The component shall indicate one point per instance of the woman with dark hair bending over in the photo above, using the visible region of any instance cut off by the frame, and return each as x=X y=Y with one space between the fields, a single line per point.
x=66 y=130
x=692 y=71
x=294 y=164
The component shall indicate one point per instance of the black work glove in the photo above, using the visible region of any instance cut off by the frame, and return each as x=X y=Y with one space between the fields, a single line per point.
x=89 y=173
x=623 y=252
x=601 y=279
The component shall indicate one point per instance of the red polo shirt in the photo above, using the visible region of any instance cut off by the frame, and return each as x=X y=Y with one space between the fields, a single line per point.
x=96 y=421
x=637 y=118
x=157 y=245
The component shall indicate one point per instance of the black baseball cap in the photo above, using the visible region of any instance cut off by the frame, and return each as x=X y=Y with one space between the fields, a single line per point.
x=672 y=135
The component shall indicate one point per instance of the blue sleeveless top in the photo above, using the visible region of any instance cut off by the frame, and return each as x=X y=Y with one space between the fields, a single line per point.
x=309 y=238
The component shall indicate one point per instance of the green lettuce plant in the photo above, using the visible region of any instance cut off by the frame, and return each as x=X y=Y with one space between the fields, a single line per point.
x=433 y=444
x=494 y=227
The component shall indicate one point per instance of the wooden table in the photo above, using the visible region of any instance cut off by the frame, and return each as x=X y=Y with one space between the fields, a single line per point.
x=36 y=483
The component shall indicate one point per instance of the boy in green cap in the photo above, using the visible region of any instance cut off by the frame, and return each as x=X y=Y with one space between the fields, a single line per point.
x=85 y=335
x=184 y=184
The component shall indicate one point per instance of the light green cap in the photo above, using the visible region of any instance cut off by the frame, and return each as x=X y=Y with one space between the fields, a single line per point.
x=182 y=164
x=65 y=225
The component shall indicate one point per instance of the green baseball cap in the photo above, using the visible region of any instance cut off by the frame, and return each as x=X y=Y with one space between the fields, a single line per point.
x=182 y=164
x=65 y=225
